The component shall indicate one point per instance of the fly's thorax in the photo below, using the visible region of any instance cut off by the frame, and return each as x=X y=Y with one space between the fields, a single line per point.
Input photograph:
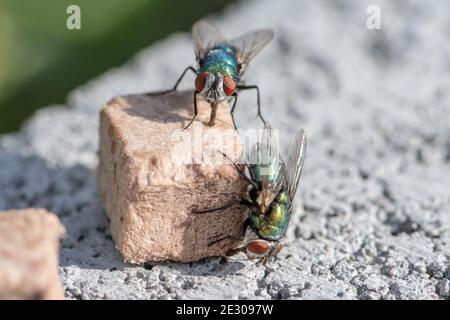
x=221 y=59
x=225 y=47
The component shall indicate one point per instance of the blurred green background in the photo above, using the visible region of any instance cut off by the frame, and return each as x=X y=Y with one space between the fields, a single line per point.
x=41 y=60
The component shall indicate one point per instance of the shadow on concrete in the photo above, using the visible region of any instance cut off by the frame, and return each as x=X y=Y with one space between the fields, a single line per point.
x=27 y=181
x=71 y=193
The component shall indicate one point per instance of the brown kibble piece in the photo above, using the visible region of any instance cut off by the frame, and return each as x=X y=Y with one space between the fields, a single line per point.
x=151 y=199
x=29 y=250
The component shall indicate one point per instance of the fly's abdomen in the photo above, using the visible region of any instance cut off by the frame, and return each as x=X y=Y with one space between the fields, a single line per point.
x=273 y=224
x=221 y=59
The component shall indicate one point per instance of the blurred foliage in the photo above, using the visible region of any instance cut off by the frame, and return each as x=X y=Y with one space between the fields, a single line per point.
x=41 y=60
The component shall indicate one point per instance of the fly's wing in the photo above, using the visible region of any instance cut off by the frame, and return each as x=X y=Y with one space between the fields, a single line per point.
x=295 y=162
x=204 y=37
x=270 y=166
x=248 y=45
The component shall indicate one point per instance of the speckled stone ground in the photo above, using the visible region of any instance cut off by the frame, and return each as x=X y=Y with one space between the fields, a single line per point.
x=373 y=209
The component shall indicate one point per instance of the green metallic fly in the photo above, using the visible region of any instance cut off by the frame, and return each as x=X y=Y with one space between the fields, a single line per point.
x=221 y=63
x=272 y=187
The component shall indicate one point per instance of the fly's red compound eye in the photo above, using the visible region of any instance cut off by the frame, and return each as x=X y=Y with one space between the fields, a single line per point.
x=200 y=81
x=258 y=247
x=229 y=86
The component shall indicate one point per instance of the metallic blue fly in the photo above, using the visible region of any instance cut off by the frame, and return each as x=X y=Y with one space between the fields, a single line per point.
x=221 y=63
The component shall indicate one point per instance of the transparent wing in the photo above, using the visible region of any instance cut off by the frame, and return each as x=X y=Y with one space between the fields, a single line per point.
x=248 y=45
x=205 y=36
x=267 y=165
x=295 y=161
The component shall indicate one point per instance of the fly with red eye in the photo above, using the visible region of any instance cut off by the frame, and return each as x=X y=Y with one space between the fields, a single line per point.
x=267 y=224
x=229 y=86
x=200 y=81
x=221 y=63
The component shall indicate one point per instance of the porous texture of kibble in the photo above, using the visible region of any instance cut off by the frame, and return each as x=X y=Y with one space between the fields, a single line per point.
x=156 y=188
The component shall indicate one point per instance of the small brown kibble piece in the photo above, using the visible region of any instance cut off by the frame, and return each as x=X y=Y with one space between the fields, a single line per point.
x=151 y=199
x=29 y=250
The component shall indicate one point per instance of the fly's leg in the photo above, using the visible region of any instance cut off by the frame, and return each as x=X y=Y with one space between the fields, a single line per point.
x=272 y=255
x=234 y=103
x=176 y=84
x=232 y=252
x=232 y=110
x=243 y=202
x=195 y=110
x=258 y=100
x=239 y=170
x=263 y=260
x=247 y=203
x=216 y=209
x=182 y=76
x=240 y=238
x=225 y=237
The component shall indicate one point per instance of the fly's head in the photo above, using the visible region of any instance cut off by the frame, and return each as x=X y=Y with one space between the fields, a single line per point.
x=262 y=249
x=215 y=87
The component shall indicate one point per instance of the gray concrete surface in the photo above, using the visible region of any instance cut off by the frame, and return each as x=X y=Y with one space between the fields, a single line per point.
x=372 y=220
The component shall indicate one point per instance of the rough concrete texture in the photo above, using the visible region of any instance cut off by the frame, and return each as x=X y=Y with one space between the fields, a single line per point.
x=373 y=209
x=153 y=184
x=29 y=253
